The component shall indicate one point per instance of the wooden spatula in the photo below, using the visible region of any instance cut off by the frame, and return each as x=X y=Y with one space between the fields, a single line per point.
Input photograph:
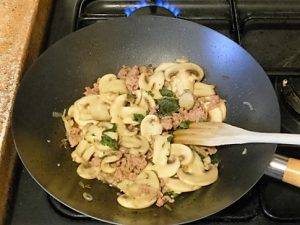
x=216 y=134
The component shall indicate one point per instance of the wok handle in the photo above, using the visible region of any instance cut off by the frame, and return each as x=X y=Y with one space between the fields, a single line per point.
x=292 y=172
x=285 y=169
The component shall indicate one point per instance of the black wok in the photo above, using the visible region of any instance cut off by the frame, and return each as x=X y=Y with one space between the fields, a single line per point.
x=57 y=78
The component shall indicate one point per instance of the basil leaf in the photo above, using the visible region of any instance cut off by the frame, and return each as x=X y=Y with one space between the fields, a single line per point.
x=167 y=105
x=166 y=92
x=138 y=117
x=108 y=141
x=185 y=124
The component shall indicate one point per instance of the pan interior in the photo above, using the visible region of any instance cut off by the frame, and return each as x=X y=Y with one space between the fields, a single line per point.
x=57 y=79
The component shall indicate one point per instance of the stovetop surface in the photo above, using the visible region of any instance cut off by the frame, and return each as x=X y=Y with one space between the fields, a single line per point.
x=268 y=29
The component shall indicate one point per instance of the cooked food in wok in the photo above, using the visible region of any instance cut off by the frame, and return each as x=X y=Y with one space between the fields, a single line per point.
x=121 y=132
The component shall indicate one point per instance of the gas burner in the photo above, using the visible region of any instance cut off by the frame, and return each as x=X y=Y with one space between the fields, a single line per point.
x=153 y=7
x=152 y=10
x=288 y=92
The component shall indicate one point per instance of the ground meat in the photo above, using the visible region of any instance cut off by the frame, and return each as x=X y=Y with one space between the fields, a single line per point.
x=153 y=111
x=129 y=166
x=123 y=72
x=74 y=136
x=92 y=91
x=214 y=100
x=196 y=114
x=163 y=199
x=147 y=70
x=95 y=161
x=167 y=122
x=131 y=76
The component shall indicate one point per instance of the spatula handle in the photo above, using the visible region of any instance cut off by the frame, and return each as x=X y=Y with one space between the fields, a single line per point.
x=276 y=138
x=285 y=169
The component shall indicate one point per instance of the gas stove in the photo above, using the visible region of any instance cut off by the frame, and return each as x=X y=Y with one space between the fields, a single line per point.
x=268 y=29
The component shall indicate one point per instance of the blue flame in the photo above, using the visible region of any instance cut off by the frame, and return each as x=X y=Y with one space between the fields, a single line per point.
x=172 y=8
x=160 y=3
x=129 y=10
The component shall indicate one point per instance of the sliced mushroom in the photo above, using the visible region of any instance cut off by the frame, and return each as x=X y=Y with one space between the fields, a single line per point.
x=183 y=152
x=203 y=90
x=148 y=177
x=110 y=83
x=105 y=163
x=156 y=83
x=186 y=100
x=127 y=114
x=168 y=170
x=87 y=172
x=191 y=68
x=222 y=107
x=112 y=158
x=195 y=174
x=108 y=98
x=136 y=144
x=161 y=149
x=136 y=202
x=116 y=106
x=80 y=149
x=206 y=178
x=164 y=66
x=196 y=166
x=215 y=115
x=93 y=133
x=107 y=168
x=135 y=197
x=180 y=83
x=177 y=186
x=90 y=109
x=144 y=100
x=150 y=126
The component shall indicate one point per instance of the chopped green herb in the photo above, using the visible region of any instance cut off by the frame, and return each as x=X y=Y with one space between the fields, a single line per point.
x=108 y=141
x=172 y=194
x=185 y=124
x=170 y=138
x=168 y=207
x=214 y=158
x=167 y=105
x=113 y=129
x=138 y=117
x=166 y=92
x=150 y=93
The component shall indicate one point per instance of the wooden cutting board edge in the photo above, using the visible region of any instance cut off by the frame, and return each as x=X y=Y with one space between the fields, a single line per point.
x=33 y=42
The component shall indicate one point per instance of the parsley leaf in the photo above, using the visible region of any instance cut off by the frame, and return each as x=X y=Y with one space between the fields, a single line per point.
x=166 y=92
x=184 y=124
x=108 y=141
x=167 y=105
x=138 y=117
x=113 y=129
